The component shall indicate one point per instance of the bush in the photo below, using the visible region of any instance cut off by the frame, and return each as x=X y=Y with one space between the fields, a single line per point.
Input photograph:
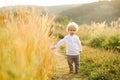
x=111 y=43
x=114 y=43
x=97 y=42
x=59 y=35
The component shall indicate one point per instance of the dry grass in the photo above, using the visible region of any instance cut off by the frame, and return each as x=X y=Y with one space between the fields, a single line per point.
x=88 y=32
x=25 y=45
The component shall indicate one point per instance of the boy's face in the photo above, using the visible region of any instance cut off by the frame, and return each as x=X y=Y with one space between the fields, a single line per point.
x=71 y=30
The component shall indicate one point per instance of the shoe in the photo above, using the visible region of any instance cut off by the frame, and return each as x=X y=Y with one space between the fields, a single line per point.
x=77 y=71
x=71 y=71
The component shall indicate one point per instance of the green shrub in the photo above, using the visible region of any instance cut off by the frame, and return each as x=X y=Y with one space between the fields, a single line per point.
x=114 y=43
x=98 y=76
x=111 y=43
x=60 y=36
x=97 y=42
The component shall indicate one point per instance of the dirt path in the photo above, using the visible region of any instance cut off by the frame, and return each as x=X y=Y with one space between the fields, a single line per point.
x=62 y=70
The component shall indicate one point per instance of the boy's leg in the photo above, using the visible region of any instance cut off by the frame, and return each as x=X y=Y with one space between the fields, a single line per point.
x=70 y=62
x=77 y=63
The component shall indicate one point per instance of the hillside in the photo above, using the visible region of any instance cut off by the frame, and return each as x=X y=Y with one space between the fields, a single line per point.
x=80 y=13
x=59 y=9
x=98 y=12
x=46 y=9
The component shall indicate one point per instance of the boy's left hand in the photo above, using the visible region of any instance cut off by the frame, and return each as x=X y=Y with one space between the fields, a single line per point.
x=80 y=52
x=53 y=48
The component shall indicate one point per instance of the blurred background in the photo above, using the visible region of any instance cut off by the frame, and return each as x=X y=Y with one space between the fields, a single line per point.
x=80 y=11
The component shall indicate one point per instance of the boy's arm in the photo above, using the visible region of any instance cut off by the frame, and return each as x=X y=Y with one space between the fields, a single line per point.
x=80 y=45
x=59 y=44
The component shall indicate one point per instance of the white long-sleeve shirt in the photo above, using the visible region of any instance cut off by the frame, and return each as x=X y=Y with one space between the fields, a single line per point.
x=73 y=44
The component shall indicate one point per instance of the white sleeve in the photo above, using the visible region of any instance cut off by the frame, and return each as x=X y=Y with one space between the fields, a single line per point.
x=60 y=43
x=79 y=44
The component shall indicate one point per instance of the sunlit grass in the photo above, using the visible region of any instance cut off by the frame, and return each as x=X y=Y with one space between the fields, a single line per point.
x=88 y=32
x=25 y=45
x=101 y=35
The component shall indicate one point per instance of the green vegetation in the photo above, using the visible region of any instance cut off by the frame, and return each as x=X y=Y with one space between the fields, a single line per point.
x=100 y=35
x=93 y=12
x=116 y=6
x=59 y=9
x=99 y=65
x=112 y=43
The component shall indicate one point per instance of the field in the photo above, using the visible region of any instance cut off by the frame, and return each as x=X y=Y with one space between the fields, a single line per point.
x=26 y=38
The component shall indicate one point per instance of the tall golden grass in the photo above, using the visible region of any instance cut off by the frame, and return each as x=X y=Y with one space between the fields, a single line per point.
x=95 y=29
x=24 y=45
x=86 y=31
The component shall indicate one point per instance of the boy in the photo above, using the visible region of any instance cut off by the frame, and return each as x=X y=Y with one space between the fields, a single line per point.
x=73 y=47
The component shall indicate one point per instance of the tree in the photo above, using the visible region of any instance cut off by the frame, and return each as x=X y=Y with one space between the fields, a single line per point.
x=116 y=5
